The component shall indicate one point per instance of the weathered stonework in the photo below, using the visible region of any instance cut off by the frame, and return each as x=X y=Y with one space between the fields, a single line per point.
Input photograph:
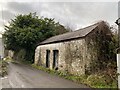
x=71 y=55
x=75 y=56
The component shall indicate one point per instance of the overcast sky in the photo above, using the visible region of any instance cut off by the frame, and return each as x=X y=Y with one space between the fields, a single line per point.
x=73 y=14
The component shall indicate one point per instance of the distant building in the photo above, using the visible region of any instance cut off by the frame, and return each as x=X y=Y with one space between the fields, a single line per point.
x=75 y=51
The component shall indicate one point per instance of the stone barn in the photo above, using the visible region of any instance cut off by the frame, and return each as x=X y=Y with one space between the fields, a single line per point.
x=75 y=52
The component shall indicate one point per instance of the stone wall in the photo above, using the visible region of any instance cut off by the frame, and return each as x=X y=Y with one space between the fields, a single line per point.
x=40 y=54
x=92 y=51
x=8 y=53
x=97 y=49
x=72 y=56
x=78 y=56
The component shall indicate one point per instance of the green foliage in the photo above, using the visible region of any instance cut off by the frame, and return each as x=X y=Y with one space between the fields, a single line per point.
x=107 y=43
x=101 y=81
x=3 y=68
x=26 y=31
x=98 y=80
x=113 y=45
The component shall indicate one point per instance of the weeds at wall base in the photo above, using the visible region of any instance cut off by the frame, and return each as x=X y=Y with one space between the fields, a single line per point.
x=99 y=80
x=3 y=68
x=93 y=80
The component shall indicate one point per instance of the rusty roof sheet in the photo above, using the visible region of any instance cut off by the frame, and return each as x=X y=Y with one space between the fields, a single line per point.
x=71 y=35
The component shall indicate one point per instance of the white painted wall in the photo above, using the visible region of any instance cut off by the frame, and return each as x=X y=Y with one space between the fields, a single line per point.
x=118 y=70
x=1 y=48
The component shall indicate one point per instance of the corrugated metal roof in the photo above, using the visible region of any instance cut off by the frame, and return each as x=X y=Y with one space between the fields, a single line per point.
x=71 y=35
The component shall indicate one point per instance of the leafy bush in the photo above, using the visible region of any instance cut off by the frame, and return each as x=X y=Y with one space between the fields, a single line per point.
x=3 y=68
x=99 y=80
x=27 y=31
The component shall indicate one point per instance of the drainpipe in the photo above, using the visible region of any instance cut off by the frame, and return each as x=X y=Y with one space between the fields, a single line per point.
x=118 y=52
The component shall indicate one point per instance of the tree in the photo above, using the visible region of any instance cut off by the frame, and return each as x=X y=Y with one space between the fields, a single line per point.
x=25 y=31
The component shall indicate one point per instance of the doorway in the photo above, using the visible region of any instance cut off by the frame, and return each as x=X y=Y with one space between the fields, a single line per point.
x=47 y=58
x=55 y=59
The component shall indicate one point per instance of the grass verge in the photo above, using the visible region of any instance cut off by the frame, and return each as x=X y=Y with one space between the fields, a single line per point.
x=98 y=80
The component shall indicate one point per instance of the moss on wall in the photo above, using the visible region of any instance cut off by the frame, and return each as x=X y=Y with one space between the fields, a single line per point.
x=80 y=56
x=97 y=44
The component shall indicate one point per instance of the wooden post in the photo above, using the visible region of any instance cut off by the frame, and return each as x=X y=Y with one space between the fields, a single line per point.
x=118 y=69
x=119 y=35
x=118 y=52
x=118 y=57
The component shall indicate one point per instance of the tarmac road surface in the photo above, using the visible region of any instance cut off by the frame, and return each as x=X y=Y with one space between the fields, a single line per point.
x=23 y=76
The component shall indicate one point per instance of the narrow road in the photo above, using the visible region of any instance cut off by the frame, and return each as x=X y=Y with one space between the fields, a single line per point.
x=22 y=76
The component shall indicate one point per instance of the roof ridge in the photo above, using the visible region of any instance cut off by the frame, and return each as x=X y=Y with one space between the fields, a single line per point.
x=87 y=26
x=71 y=35
x=75 y=30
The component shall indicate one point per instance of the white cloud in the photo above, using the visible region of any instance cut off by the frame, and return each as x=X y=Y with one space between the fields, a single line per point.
x=73 y=14
x=59 y=0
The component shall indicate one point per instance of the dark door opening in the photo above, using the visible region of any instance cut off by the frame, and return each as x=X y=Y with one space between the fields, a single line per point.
x=55 y=59
x=47 y=58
